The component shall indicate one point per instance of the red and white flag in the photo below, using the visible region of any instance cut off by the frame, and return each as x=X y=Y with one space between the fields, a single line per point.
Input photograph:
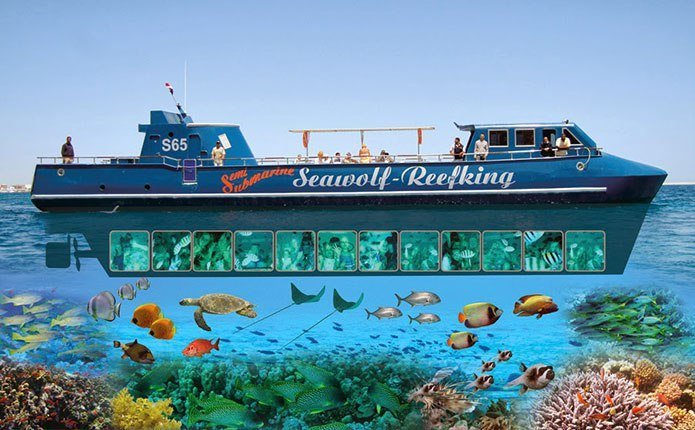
x=305 y=139
x=419 y=136
x=170 y=88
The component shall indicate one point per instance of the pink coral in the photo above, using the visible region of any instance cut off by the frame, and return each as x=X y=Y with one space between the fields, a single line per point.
x=591 y=401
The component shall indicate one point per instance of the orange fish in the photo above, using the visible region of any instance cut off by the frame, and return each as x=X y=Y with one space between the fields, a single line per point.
x=146 y=314
x=610 y=400
x=598 y=417
x=200 y=347
x=637 y=409
x=663 y=399
x=163 y=328
x=582 y=400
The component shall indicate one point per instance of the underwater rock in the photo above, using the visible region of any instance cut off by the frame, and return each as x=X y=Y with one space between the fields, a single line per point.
x=589 y=398
x=36 y=397
x=137 y=414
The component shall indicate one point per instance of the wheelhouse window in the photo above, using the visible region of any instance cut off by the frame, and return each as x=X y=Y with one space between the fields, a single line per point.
x=498 y=137
x=573 y=140
x=525 y=137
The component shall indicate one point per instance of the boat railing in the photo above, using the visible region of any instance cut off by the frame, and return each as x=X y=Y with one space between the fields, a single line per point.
x=514 y=155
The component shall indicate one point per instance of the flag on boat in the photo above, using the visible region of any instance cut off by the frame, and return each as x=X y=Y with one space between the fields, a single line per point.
x=419 y=136
x=305 y=139
x=170 y=88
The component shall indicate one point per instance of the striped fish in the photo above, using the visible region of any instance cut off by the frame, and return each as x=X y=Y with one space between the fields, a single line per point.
x=467 y=253
x=532 y=264
x=532 y=236
x=552 y=258
x=185 y=241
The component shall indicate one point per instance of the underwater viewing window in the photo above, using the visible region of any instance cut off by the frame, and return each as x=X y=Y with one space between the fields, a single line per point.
x=378 y=251
x=295 y=251
x=253 y=251
x=460 y=251
x=525 y=137
x=212 y=251
x=585 y=251
x=129 y=251
x=543 y=251
x=419 y=251
x=502 y=251
x=498 y=137
x=171 y=251
x=337 y=251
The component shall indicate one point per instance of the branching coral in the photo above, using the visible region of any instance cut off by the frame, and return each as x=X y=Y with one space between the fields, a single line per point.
x=589 y=400
x=35 y=397
x=132 y=414
x=646 y=375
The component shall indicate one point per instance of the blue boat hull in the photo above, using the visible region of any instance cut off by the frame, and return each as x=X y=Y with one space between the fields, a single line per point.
x=606 y=179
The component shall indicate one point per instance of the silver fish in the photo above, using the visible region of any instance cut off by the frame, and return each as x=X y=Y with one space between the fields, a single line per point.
x=127 y=292
x=423 y=298
x=103 y=306
x=532 y=236
x=143 y=284
x=385 y=312
x=425 y=319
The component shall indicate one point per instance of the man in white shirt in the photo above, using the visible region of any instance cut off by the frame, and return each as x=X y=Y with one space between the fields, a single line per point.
x=563 y=143
x=481 y=148
x=218 y=154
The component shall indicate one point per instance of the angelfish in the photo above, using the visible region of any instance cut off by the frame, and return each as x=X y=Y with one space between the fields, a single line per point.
x=103 y=306
x=480 y=314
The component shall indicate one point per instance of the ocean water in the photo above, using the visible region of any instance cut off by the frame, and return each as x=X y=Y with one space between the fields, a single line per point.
x=663 y=257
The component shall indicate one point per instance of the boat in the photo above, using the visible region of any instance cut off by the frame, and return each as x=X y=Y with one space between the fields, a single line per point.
x=175 y=169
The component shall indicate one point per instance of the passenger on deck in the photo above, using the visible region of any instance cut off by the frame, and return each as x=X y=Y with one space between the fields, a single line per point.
x=563 y=143
x=384 y=157
x=67 y=151
x=481 y=148
x=322 y=159
x=547 y=148
x=299 y=159
x=457 y=149
x=365 y=155
x=337 y=159
x=218 y=154
x=348 y=159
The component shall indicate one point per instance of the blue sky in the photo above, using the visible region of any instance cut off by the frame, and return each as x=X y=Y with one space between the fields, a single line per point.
x=624 y=71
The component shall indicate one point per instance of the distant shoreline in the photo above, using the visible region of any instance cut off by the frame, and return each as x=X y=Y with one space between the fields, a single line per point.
x=679 y=183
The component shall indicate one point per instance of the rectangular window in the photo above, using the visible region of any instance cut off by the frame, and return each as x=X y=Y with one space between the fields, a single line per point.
x=526 y=137
x=499 y=137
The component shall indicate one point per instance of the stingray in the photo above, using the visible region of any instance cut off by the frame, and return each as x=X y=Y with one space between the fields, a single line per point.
x=298 y=298
x=339 y=304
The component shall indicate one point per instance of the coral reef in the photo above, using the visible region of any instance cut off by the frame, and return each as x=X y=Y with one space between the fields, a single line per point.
x=646 y=375
x=273 y=391
x=594 y=400
x=36 y=397
x=640 y=320
x=499 y=416
x=137 y=414
x=683 y=419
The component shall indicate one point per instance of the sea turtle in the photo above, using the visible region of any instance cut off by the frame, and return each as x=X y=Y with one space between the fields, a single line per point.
x=218 y=304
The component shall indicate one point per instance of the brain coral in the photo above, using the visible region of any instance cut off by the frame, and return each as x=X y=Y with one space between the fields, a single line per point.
x=587 y=400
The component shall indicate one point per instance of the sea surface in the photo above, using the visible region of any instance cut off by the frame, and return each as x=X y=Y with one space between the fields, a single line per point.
x=663 y=258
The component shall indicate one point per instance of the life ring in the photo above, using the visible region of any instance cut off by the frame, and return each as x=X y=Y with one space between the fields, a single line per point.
x=581 y=166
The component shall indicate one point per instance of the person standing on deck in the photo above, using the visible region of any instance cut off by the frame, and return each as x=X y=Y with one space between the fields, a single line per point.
x=547 y=148
x=218 y=154
x=481 y=148
x=457 y=149
x=67 y=151
x=563 y=143
x=365 y=155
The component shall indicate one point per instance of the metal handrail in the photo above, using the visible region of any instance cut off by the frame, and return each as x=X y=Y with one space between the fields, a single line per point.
x=300 y=160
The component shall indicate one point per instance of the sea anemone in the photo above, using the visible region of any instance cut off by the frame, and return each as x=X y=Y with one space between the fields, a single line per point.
x=646 y=375
x=598 y=401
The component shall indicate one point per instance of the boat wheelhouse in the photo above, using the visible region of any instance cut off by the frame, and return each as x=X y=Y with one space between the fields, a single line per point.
x=175 y=169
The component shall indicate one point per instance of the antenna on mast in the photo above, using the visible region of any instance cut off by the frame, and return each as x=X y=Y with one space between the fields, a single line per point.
x=185 y=85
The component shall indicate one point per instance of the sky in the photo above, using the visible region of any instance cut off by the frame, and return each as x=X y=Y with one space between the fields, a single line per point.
x=623 y=70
